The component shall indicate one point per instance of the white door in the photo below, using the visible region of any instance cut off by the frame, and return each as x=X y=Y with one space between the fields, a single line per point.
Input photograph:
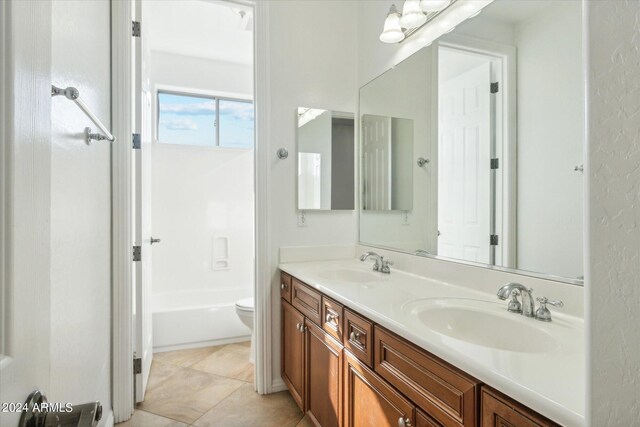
x=25 y=210
x=376 y=162
x=143 y=344
x=464 y=172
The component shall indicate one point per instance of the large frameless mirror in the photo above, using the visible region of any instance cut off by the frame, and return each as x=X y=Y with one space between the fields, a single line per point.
x=495 y=167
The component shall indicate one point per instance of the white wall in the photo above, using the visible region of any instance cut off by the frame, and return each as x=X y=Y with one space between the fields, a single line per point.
x=550 y=141
x=200 y=193
x=80 y=208
x=312 y=62
x=613 y=275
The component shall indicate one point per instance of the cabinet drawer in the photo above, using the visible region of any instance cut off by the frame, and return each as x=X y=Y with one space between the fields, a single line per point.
x=424 y=420
x=308 y=301
x=358 y=336
x=500 y=411
x=285 y=287
x=444 y=392
x=332 y=317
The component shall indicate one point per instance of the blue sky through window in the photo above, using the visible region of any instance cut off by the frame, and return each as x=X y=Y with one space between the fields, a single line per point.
x=191 y=120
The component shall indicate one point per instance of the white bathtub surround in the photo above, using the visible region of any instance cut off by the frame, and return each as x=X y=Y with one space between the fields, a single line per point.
x=190 y=319
x=551 y=382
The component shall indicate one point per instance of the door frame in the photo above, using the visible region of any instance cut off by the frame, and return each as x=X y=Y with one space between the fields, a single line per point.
x=122 y=204
x=505 y=141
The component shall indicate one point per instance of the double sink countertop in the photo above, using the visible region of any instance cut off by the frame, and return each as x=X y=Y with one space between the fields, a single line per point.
x=539 y=364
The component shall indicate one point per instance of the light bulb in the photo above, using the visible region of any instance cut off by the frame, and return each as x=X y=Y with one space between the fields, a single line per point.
x=412 y=15
x=434 y=5
x=392 y=32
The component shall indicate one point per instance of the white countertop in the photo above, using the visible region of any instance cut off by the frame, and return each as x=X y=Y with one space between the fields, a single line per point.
x=551 y=383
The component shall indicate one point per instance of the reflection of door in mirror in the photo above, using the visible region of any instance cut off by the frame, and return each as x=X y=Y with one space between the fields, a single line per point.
x=387 y=151
x=464 y=153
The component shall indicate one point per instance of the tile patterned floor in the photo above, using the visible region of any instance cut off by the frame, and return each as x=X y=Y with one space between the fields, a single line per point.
x=209 y=387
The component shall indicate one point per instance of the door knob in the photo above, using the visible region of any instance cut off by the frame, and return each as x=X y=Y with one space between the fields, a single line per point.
x=154 y=240
x=85 y=415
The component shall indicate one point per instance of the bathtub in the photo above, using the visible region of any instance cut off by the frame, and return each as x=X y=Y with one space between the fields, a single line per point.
x=190 y=319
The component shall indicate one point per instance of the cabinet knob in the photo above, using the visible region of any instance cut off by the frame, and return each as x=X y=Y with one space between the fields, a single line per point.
x=354 y=336
x=404 y=422
x=283 y=286
x=332 y=318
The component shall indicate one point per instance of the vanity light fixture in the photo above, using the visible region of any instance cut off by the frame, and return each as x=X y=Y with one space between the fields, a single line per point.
x=415 y=14
x=392 y=32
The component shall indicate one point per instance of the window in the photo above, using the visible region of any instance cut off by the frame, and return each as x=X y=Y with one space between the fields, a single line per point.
x=205 y=121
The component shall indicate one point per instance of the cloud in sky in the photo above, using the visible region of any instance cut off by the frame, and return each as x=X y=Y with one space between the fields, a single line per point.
x=196 y=109
x=237 y=110
x=179 y=124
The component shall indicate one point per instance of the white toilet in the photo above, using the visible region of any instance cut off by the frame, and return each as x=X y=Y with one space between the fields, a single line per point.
x=244 y=310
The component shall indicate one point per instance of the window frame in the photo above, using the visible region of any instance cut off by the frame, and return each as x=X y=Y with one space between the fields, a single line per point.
x=204 y=95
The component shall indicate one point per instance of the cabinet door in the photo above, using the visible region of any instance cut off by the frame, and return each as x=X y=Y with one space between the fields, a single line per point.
x=293 y=346
x=500 y=411
x=324 y=377
x=369 y=401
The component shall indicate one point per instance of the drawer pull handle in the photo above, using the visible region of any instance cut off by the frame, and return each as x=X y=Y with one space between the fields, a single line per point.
x=404 y=422
x=332 y=318
x=283 y=286
x=354 y=336
x=301 y=328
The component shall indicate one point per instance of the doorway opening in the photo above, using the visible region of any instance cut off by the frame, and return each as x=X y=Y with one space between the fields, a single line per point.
x=193 y=192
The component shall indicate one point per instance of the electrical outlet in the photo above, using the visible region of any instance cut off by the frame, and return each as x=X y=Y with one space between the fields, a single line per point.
x=405 y=218
x=302 y=219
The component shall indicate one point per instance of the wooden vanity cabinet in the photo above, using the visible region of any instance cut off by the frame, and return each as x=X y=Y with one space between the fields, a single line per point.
x=324 y=377
x=500 y=411
x=344 y=370
x=370 y=401
x=293 y=353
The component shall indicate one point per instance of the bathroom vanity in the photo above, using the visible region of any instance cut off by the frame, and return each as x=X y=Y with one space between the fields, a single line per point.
x=358 y=350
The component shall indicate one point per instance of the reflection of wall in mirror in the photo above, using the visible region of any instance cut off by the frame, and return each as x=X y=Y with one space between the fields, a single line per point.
x=309 y=181
x=404 y=92
x=314 y=137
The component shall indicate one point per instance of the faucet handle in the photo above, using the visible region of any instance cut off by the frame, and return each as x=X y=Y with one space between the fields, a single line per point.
x=514 y=305
x=542 y=313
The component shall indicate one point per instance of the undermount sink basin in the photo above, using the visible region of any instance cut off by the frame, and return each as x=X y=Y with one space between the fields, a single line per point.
x=483 y=323
x=350 y=275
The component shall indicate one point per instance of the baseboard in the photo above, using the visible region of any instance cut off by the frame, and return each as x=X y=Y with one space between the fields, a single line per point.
x=278 y=385
x=201 y=344
x=107 y=421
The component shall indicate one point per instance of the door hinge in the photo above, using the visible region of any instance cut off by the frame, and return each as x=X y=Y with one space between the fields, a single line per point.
x=493 y=240
x=137 y=253
x=495 y=163
x=136 y=141
x=495 y=87
x=137 y=366
x=135 y=28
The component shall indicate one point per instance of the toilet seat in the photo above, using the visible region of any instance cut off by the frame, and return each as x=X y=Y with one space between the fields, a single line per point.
x=245 y=304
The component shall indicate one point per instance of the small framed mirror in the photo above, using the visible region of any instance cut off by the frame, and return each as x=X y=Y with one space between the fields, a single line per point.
x=326 y=160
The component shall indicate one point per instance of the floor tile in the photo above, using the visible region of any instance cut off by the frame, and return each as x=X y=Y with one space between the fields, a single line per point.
x=146 y=419
x=305 y=422
x=231 y=361
x=185 y=358
x=247 y=408
x=159 y=373
x=187 y=394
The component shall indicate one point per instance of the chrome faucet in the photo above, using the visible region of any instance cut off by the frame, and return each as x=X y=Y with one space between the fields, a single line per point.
x=380 y=265
x=527 y=308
